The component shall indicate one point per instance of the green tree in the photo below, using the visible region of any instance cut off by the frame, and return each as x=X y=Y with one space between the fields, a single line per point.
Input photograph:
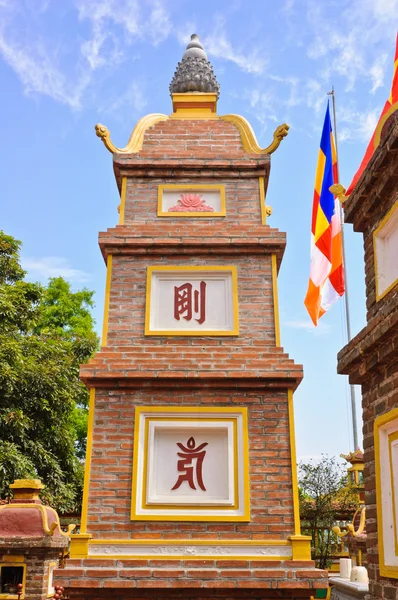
x=46 y=332
x=325 y=496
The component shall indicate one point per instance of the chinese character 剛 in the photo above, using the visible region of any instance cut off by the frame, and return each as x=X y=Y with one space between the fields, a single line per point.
x=185 y=466
x=188 y=302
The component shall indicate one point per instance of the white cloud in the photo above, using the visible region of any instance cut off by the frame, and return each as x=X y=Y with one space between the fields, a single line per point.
x=355 y=124
x=377 y=72
x=52 y=266
x=345 y=49
x=217 y=44
x=132 y=100
x=321 y=329
x=38 y=73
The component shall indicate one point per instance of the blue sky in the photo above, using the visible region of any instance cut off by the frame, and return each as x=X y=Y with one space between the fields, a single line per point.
x=64 y=66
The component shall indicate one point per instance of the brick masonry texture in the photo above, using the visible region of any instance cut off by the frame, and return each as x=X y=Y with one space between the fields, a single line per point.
x=246 y=370
x=122 y=576
x=371 y=358
x=242 y=199
x=112 y=455
x=37 y=561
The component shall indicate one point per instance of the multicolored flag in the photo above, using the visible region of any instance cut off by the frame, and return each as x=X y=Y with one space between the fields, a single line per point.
x=390 y=106
x=326 y=282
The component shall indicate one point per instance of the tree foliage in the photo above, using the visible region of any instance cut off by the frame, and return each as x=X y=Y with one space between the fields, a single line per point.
x=46 y=332
x=325 y=496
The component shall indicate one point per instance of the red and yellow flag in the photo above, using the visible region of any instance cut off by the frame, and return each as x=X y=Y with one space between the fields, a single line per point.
x=326 y=283
x=390 y=106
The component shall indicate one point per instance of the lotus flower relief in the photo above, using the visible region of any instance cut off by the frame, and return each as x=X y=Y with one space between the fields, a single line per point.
x=191 y=203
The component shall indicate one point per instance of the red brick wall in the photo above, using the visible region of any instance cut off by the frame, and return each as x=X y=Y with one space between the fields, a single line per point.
x=128 y=298
x=192 y=139
x=373 y=308
x=379 y=395
x=242 y=201
x=112 y=454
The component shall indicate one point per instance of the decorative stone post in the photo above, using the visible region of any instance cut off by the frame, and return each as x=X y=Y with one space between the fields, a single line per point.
x=31 y=543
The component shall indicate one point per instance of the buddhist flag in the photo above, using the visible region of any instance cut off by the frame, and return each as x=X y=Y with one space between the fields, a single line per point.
x=390 y=106
x=326 y=282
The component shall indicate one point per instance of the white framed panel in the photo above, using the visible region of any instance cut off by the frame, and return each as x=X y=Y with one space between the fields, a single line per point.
x=191 y=301
x=190 y=464
x=386 y=463
x=191 y=200
x=385 y=243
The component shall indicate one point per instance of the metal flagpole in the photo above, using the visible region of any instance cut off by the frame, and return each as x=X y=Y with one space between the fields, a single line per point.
x=347 y=309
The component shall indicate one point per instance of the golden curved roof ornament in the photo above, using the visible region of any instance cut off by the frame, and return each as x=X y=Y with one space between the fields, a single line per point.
x=380 y=124
x=350 y=526
x=249 y=141
x=136 y=138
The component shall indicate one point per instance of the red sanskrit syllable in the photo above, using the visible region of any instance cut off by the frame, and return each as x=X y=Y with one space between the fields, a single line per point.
x=185 y=466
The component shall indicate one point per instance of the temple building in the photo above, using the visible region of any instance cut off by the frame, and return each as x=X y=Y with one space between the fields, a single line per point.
x=371 y=358
x=191 y=484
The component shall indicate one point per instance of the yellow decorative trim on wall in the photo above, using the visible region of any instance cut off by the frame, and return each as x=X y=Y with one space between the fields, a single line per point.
x=301 y=547
x=137 y=137
x=79 y=545
x=381 y=421
x=249 y=141
x=122 y=206
x=193 y=332
x=380 y=226
x=136 y=140
x=292 y=436
x=87 y=467
x=380 y=124
x=187 y=188
x=275 y=299
x=107 y=300
x=392 y=438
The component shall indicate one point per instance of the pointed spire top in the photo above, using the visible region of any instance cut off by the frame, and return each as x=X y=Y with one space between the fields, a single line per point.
x=194 y=73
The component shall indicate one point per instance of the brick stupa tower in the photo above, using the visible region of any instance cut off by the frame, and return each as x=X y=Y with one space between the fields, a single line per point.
x=190 y=474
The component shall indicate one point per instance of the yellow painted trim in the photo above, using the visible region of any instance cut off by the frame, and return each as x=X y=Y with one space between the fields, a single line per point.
x=79 y=545
x=52 y=563
x=134 y=145
x=262 y=200
x=385 y=570
x=192 y=542
x=380 y=124
x=193 y=332
x=301 y=547
x=139 y=447
x=382 y=223
x=123 y=200
x=392 y=438
x=198 y=507
x=186 y=188
x=296 y=505
x=15 y=564
x=185 y=557
x=136 y=140
x=275 y=299
x=87 y=467
x=13 y=558
x=107 y=299
x=249 y=141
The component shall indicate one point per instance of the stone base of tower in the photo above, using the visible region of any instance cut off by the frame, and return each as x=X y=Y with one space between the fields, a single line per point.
x=185 y=579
